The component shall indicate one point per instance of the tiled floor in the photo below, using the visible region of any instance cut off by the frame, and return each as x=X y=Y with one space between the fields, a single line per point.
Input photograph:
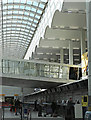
x=9 y=114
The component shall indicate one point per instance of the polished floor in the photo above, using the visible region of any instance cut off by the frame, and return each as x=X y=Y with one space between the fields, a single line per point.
x=8 y=115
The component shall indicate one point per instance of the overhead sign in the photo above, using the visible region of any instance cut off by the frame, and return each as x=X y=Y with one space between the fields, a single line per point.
x=15 y=94
x=85 y=101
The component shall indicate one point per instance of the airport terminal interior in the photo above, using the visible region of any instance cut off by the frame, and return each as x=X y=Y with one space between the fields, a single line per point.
x=45 y=60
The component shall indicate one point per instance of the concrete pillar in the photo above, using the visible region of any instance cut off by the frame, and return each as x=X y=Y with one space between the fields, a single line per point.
x=61 y=55
x=88 y=9
x=70 y=53
x=83 y=47
x=83 y=43
x=22 y=95
x=22 y=100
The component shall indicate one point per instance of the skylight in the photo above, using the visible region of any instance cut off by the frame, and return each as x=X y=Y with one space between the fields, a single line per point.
x=20 y=21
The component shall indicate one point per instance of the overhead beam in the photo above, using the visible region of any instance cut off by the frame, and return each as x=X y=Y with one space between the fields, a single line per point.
x=62 y=34
x=47 y=50
x=58 y=43
x=41 y=56
x=69 y=19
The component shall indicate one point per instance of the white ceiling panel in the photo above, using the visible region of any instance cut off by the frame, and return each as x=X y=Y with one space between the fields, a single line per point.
x=69 y=20
x=74 y=6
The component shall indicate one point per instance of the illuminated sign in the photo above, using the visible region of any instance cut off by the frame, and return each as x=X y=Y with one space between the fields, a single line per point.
x=85 y=101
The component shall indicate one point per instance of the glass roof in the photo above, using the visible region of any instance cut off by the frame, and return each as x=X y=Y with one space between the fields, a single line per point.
x=20 y=19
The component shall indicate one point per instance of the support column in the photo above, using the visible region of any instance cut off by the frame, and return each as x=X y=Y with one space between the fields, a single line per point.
x=61 y=55
x=22 y=95
x=83 y=47
x=70 y=53
x=22 y=100
x=88 y=8
x=83 y=43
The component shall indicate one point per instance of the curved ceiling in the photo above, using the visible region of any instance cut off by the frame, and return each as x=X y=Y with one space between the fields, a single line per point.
x=20 y=19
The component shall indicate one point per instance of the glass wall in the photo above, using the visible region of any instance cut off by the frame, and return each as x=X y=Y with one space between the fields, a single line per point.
x=29 y=68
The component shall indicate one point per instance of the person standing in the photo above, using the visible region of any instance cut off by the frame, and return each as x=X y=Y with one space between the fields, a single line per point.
x=17 y=106
x=53 y=106
x=35 y=105
x=40 y=109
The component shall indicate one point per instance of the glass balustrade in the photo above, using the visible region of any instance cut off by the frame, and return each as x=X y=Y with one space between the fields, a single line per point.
x=28 y=68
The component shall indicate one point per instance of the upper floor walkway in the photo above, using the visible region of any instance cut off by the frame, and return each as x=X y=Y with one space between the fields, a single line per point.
x=31 y=73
